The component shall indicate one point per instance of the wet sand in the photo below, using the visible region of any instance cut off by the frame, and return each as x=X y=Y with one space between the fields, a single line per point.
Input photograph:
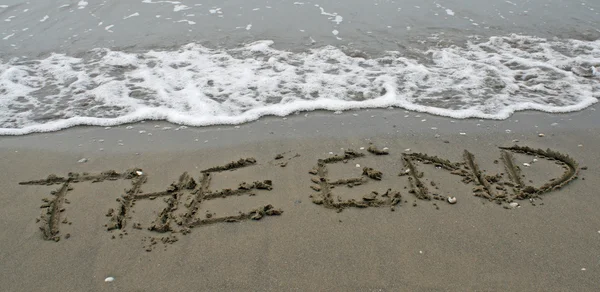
x=282 y=219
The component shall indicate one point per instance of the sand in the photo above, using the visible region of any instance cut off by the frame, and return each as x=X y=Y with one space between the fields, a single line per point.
x=269 y=206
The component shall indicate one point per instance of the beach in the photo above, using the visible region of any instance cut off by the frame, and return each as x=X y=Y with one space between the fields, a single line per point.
x=309 y=146
x=546 y=243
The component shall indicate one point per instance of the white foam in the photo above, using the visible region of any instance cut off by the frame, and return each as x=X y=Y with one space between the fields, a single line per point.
x=177 y=5
x=187 y=21
x=8 y=36
x=158 y=2
x=180 y=7
x=334 y=16
x=131 y=15
x=82 y=4
x=197 y=86
x=338 y=19
x=450 y=12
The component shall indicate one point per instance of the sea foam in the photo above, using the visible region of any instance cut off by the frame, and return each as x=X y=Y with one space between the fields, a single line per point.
x=197 y=86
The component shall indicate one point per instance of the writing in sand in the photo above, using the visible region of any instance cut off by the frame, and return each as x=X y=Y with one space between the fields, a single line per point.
x=180 y=202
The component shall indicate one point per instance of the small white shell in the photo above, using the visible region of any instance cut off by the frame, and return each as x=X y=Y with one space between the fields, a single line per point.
x=109 y=279
x=452 y=200
x=139 y=172
x=514 y=205
x=358 y=165
x=541 y=135
x=526 y=164
x=82 y=160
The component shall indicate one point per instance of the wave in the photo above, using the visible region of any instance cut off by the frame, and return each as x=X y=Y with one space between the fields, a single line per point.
x=198 y=86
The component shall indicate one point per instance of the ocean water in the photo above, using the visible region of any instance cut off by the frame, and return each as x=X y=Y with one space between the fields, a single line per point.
x=203 y=63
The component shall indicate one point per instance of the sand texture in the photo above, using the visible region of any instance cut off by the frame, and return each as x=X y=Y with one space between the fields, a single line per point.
x=350 y=202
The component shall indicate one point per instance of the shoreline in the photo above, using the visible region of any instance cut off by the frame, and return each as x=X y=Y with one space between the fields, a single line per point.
x=372 y=197
x=364 y=122
x=319 y=112
x=212 y=90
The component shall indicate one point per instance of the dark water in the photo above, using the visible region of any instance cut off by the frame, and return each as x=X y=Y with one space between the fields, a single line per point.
x=75 y=26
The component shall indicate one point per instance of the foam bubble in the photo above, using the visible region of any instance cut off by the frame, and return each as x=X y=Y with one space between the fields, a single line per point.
x=82 y=4
x=198 y=86
x=180 y=7
x=187 y=21
x=131 y=15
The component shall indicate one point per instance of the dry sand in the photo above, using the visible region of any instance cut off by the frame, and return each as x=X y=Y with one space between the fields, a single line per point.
x=329 y=236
